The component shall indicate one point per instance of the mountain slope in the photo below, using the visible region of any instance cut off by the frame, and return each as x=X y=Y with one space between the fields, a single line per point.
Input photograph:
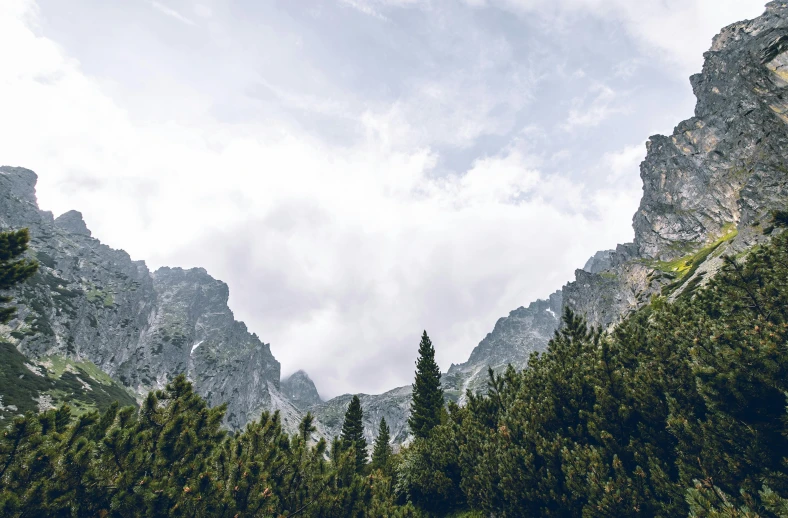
x=30 y=385
x=300 y=390
x=92 y=303
x=712 y=186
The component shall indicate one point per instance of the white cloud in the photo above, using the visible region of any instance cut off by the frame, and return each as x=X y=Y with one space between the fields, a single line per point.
x=604 y=102
x=624 y=162
x=674 y=31
x=172 y=13
x=364 y=7
x=337 y=255
x=203 y=11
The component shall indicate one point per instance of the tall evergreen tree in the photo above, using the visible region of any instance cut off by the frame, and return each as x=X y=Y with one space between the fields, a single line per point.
x=381 y=453
x=427 y=403
x=353 y=432
x=306 y=427
x=13 y=270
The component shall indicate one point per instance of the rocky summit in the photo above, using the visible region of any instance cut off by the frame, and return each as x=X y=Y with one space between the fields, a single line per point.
x=300 y=390
x=91 y=303
x=709 y=189
x=712 y=187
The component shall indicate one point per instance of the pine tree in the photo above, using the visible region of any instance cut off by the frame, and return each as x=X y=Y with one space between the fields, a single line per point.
x=306 y=427
x=353 y=432
x=381 y=454
x=425 y=408
x=12 y=269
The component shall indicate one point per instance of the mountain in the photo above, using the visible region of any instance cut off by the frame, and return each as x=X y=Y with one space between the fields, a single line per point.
x=394 y=405
x=92 y=304
x=512 y=340
x=711 y=188
x=300 y=390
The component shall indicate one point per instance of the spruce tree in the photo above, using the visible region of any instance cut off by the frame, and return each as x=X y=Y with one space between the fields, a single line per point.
x=381 y=454
x=13 y=270
x=427 y=402
x=353 y=432
x=306 y=427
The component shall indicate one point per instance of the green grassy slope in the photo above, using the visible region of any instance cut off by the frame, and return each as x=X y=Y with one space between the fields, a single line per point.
x=25 y=384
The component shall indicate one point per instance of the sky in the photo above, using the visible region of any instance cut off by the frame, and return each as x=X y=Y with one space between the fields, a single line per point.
x=356 y=171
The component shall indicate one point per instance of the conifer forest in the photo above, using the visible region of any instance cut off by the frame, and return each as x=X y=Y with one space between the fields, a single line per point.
x=681 y=410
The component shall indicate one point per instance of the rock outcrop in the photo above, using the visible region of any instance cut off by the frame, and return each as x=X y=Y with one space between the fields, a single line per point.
x=712 y=186
x=300 y=390
x=90 y=302
x=512 y=340
x=393 y=405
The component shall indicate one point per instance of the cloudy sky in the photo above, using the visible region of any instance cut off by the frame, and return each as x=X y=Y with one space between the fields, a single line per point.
x=355 y=170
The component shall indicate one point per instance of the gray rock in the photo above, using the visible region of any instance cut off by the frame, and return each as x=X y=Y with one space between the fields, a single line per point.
x=393 y=405
x=512 y=341
x=711 y=187
x=73 y=223
x=599 y=262
x=91 y=302
x=300 y=390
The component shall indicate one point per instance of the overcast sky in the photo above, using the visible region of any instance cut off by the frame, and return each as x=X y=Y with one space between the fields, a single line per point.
x=355 y=170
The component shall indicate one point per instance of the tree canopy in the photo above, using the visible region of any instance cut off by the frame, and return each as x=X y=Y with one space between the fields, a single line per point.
x=13 y=268
x=427 y=402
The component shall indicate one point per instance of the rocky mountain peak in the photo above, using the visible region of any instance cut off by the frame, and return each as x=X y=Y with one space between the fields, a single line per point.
x=21 y=182
x=719 y=168
x=73 y=223
x=600 y=261
x=19 y=207
x=89 y=302
x=300 y=390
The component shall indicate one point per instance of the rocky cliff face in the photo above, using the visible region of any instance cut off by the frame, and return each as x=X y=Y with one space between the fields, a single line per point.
x=514 y=338
x=92 y=303
x=300 y=390
x=711 y=187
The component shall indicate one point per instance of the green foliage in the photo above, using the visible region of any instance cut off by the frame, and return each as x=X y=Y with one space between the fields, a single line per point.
x=381 y=453
x=685 y=267
x=13 y=270
x=680 y=411
x=429 y=474
x=23 y=383
x=172 y=458
x=306 y=427
x=353 y=433
x=427 y=403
